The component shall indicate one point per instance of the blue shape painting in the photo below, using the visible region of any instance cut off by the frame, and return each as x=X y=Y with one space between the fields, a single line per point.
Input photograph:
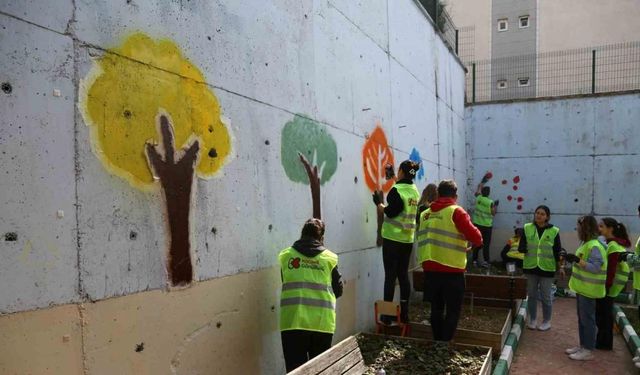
x=415 y=156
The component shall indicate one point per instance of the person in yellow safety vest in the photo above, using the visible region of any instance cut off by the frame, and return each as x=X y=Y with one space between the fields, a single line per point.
x=541 y=246
x=482 y=218
x=398 y=230
x=633 y=260
x=310 y=285
x=510 y=253
x=617 y=275
x=442 y=239
x=588 y=280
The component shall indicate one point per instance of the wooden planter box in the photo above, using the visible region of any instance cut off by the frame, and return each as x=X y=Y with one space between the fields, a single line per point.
x=345 y=358
x=494 y=340
x=486 y=290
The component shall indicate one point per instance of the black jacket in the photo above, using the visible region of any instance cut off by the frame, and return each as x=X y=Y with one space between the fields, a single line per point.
x=394 y=201
x=311 y=248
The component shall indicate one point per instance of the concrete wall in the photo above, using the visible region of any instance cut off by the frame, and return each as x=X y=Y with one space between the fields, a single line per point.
x=85 y=238
x=577 y=156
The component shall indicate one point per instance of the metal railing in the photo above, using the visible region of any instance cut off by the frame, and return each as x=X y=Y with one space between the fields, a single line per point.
x=444 y=23
x=591 y=70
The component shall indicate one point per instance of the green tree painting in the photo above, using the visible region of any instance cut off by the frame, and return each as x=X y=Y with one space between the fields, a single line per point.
x=309 y=155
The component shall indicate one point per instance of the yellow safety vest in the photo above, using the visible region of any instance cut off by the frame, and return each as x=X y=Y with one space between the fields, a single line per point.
x=482 y=214
x=636 y=269
x=307 y=301
x=622 y=270
x=540 y=249
x=439 y=239
x=513 y=251
x=583 y=282
x=402 y=228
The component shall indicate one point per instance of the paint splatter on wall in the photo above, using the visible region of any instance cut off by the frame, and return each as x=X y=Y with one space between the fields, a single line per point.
x=309 y=155
x=140 y=103
x=415 y=156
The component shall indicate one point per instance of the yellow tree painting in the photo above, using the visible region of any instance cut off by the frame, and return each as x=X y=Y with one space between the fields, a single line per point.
x=154 y=121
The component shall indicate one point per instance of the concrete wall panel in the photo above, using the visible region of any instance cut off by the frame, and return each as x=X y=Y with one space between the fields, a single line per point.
x=37 y=223
x=55 y=18
x=369 y=17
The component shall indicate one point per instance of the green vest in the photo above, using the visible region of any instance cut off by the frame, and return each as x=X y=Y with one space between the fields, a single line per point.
x=439 y=239
x=402 y=228
x=583 y=282
x=307 y=301
x=482 y=214
x=622 y=271
x=540 y=250
x=636 y=269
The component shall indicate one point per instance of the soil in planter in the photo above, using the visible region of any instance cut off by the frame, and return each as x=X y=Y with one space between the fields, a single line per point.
x=495 y=268
x=481 y=319
x=398 y=356
x=632 y=316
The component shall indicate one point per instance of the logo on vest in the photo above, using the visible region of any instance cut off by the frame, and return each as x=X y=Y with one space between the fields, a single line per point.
x=413 y=202
x=311 y=264
x=294 y=263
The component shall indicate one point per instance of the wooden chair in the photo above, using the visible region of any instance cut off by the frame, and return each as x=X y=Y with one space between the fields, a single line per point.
x=392 y=309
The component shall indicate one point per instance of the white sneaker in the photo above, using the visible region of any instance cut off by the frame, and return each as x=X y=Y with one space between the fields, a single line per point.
x=531 y=324
x=582 y=355
x=545 y=326
x=636 y=358
x=573 y=350
x=637 y=364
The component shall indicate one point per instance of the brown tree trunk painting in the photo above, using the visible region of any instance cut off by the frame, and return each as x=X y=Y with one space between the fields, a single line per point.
x=176 y=179
x=314 y=183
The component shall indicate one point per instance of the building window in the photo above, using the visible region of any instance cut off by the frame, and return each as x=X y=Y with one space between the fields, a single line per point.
x=503 y=24
x=502 y=84
x=524 y=22
x=522 y=82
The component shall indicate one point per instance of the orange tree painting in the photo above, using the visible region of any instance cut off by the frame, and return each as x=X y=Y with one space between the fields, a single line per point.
x=141 y=101
x=309 y=155
x=376 y=154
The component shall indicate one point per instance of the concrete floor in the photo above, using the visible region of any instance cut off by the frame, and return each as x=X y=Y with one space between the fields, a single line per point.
x=543 y=352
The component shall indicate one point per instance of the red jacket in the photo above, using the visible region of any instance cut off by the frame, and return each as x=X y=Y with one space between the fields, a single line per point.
x=463 y=224
x=612 y=261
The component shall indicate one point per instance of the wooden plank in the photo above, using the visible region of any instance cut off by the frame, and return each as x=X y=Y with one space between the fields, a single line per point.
x=484 y=286
x=486 y=366
x=505 y=330
x=326 y=359
x=358 y=369
x=345 y=362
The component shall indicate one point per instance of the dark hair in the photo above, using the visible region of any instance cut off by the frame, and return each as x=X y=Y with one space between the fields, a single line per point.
x=447 y=189
x=587 y=228
x=410 y=168
x=429 y=194
x=313 y=228
x=619 y=230
x=485 y=191
x=518 y=232
x=545 y=209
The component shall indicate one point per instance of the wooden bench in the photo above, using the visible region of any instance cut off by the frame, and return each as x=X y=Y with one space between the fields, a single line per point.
x=343 y=358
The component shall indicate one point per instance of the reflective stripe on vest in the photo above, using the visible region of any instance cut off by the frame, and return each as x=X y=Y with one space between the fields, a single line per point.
x=636 y=269
x=482 y=214
x=583 y=282
x=402 y=228
x=307 y=301
x=622 y=270
x=439 y=240
x=540 y=250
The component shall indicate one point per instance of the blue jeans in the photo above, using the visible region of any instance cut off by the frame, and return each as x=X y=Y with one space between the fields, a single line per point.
x=587 y=321
x=535 y=282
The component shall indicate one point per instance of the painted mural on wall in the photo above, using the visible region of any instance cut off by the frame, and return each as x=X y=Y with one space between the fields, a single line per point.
x=376 y=155
x=415 y=156
x=309 y=155
x=153 y=121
